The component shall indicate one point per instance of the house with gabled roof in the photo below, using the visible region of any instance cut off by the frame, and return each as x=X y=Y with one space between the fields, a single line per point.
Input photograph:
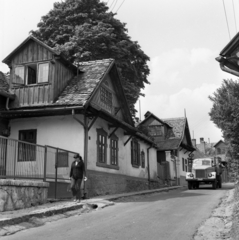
x=174 y=144
x=81 y=109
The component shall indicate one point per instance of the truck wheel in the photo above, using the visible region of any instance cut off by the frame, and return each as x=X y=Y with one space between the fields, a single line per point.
x=190 y=185
x=197 y=185
x=220 y=183
x=214 y=184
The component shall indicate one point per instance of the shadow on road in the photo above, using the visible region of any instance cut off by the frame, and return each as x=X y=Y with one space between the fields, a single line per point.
x=179 y=193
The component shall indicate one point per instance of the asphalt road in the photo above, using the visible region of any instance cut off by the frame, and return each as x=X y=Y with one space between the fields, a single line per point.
x=173 y=215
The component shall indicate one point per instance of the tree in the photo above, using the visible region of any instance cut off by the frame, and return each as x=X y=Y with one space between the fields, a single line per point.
x=225 y=111
x=83 y=30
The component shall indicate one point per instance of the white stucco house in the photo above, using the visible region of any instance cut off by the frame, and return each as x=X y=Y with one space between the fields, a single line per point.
x=60 y=110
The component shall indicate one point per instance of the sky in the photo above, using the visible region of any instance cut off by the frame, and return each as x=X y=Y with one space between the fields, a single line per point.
x=182 y=39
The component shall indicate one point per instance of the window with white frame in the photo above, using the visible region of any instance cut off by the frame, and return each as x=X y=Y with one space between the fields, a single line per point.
x=34 y=73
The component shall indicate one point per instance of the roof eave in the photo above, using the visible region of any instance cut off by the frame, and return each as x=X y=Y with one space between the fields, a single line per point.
x=6 y=59
x=230 y=46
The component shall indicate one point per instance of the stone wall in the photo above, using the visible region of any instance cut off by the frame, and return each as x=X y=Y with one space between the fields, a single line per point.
x=18 y=194
x=235 y=218
x=99 y=184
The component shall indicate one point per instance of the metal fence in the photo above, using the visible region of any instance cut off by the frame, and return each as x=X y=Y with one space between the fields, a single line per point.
x=23 y=160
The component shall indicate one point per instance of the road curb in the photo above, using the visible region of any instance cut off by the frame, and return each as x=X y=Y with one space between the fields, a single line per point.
x=39 y=214
x=166 y=189
x=62 y=209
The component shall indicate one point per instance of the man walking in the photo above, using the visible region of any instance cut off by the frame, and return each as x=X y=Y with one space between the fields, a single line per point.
x=76 y=175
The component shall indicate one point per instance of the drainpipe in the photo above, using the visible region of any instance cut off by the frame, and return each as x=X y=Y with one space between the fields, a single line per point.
x=86 y=131
x=233 y=72
x=85 y=126
x=7 y=104
x=176 y=169
x=228 y=70
x=148 y=165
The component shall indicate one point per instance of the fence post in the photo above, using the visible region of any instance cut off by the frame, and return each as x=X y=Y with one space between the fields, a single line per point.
x=45 y=162
x=56 y=162
x=15 y=160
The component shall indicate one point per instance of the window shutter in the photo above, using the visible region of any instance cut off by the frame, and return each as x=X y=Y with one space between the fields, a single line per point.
x=138 y=154
x=183 y=163
x=132 y=152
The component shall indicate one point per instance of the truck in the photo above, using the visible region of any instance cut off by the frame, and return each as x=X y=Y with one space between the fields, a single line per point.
x=204 y=171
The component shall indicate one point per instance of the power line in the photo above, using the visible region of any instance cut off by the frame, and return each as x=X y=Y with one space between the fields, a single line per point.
x=114 y=5
x=234 y=14
x=226 y=20
x=111 y=4
x=119 y=6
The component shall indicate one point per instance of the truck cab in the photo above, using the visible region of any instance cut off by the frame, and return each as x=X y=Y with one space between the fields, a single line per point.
x=203 y=171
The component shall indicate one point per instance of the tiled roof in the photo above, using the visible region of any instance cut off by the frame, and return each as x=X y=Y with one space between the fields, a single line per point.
x=178 y=125
x=173 y=142
x=168 y=144
x=80 y=88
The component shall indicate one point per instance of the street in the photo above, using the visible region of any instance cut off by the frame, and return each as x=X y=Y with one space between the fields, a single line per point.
x=172 y=215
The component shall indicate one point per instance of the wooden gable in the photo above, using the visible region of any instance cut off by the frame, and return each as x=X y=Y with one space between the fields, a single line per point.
x=38 y=73
x=106 y=98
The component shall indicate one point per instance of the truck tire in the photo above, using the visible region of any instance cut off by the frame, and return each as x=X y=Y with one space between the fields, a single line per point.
x=219 y=182
x=214 y=184
x=190 y=185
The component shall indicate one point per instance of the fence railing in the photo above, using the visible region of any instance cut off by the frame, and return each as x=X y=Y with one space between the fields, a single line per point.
x=25 y=160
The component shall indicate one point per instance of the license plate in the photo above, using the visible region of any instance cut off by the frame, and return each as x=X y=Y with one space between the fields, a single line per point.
x=199 y=179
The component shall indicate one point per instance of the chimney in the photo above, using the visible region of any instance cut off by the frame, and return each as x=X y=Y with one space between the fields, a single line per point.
x=201 y=140
x=147 y=114
x=194 y=142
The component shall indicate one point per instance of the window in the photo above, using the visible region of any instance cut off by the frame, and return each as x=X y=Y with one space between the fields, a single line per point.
x=101 y=146
x=114 y=150
x=19 y=75
x=27 y=152
x=106 y=99
x=186 y=165
x=155 y=130
x=31 y=73
x=43 y=70
x=62 y=158
x=142 y=159
x=218 y=150
x=135 y=153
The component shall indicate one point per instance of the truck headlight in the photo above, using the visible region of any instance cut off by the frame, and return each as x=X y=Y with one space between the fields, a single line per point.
x=191 y=175
x=209 y=174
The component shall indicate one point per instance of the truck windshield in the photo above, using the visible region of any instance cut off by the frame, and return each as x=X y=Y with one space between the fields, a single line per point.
x=206 y=162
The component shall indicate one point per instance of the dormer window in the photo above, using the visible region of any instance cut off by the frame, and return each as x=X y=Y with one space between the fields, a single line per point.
x=29 y=74
x=156 y=130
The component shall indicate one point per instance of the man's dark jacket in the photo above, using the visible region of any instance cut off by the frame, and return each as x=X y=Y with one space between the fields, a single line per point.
x=77 y=170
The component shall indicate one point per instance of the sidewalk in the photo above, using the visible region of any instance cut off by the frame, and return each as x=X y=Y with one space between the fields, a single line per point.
x=9 y=218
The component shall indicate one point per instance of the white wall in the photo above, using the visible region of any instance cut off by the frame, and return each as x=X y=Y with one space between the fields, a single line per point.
x=181 y=156
x=66 y=133
x=124 y=153
x=59 y=131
